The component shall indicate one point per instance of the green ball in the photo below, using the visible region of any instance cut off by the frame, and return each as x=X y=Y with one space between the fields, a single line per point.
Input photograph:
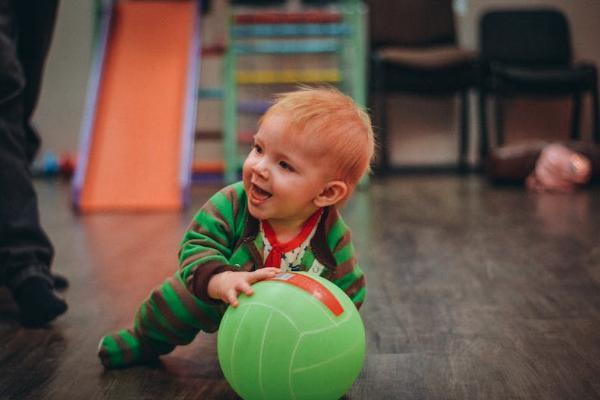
x=297 y=337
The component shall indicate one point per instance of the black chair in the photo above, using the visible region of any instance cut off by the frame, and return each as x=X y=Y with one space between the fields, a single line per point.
x=527 y=52
x=413 y=50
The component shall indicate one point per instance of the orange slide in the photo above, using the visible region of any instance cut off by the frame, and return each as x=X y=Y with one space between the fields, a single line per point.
x=136 y=150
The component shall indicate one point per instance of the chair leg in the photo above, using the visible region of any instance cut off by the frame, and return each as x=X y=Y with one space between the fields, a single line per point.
x=483 y=128
x=381 y=118
x=595 y=114
x=464 y=132
x=576 y=117
x=384 y=151
x=499 y=119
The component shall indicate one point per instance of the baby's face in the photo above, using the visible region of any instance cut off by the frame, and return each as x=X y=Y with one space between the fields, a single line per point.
x=282 y=175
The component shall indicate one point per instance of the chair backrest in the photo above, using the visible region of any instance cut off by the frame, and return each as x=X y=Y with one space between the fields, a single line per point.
x=532 y=37
x=411 y=22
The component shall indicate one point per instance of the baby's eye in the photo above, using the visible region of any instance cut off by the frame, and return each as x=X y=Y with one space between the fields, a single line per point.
x=258 y=149
x=285 y=165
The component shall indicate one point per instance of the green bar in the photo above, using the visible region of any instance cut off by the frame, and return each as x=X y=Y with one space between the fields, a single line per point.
x=357 y=59
x=229 y=114
x=358 y=16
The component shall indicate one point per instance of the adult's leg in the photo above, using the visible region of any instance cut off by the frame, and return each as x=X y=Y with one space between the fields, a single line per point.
x=25 y=250
x=36 y=20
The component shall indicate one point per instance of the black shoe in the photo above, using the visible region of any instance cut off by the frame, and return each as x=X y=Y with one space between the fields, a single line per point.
x=38 y=303
x=60 y=282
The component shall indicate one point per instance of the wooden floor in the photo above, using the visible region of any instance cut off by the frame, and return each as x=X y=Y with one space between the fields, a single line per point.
x=474 y=292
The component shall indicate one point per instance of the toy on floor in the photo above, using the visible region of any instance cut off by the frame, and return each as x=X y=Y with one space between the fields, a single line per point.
x=310 y=345
x=559 y=169
x=52 y=165
x=546 y=167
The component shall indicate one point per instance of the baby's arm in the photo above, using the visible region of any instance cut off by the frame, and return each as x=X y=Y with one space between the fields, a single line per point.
x=226 y=286
x=209 y=242
x=207 y=246
x=348 y=275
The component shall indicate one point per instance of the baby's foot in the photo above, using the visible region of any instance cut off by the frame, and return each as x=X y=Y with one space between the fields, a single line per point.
x=123 y=349
x=38 y=303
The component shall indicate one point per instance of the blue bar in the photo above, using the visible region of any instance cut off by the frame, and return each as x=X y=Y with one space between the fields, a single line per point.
x=288 y=47
x=190 y=109
x=254 y=107
x=244 y=31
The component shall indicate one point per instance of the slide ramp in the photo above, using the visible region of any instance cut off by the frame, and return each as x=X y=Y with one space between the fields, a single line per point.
x=137 y=138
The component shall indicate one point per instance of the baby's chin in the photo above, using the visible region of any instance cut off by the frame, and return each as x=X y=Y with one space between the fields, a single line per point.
x=256 y=212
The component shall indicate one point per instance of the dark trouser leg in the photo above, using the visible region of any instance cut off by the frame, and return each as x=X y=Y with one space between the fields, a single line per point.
x=36 y=19
x=25 y=250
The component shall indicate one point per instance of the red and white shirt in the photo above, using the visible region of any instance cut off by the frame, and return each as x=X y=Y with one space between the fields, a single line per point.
x=288 y=256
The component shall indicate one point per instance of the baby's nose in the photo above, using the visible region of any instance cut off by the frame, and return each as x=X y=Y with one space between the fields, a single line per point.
x=261 y=169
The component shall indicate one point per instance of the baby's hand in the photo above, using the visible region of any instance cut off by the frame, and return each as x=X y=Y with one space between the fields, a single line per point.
x=228 y=285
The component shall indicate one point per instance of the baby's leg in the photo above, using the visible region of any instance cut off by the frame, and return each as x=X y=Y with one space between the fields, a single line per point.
x=170 y=316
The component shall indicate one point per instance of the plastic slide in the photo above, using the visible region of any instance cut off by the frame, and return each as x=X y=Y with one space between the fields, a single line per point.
x=137 y=135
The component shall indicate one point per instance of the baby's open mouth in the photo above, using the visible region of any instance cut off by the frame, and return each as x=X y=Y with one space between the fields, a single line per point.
x=259 y=193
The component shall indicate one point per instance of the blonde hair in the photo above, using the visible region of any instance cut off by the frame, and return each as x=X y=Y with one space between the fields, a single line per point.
x=340 y=128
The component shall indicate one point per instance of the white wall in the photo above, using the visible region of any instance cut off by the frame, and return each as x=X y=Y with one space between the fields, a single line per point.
x=59 y=111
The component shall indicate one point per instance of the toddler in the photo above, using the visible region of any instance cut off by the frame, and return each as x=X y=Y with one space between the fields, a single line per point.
x=311 y=149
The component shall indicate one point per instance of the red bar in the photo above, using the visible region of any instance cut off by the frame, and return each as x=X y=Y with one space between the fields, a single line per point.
x=289 y=18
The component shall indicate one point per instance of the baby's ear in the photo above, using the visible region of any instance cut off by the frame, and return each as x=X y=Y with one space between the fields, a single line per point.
x=333 y=193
